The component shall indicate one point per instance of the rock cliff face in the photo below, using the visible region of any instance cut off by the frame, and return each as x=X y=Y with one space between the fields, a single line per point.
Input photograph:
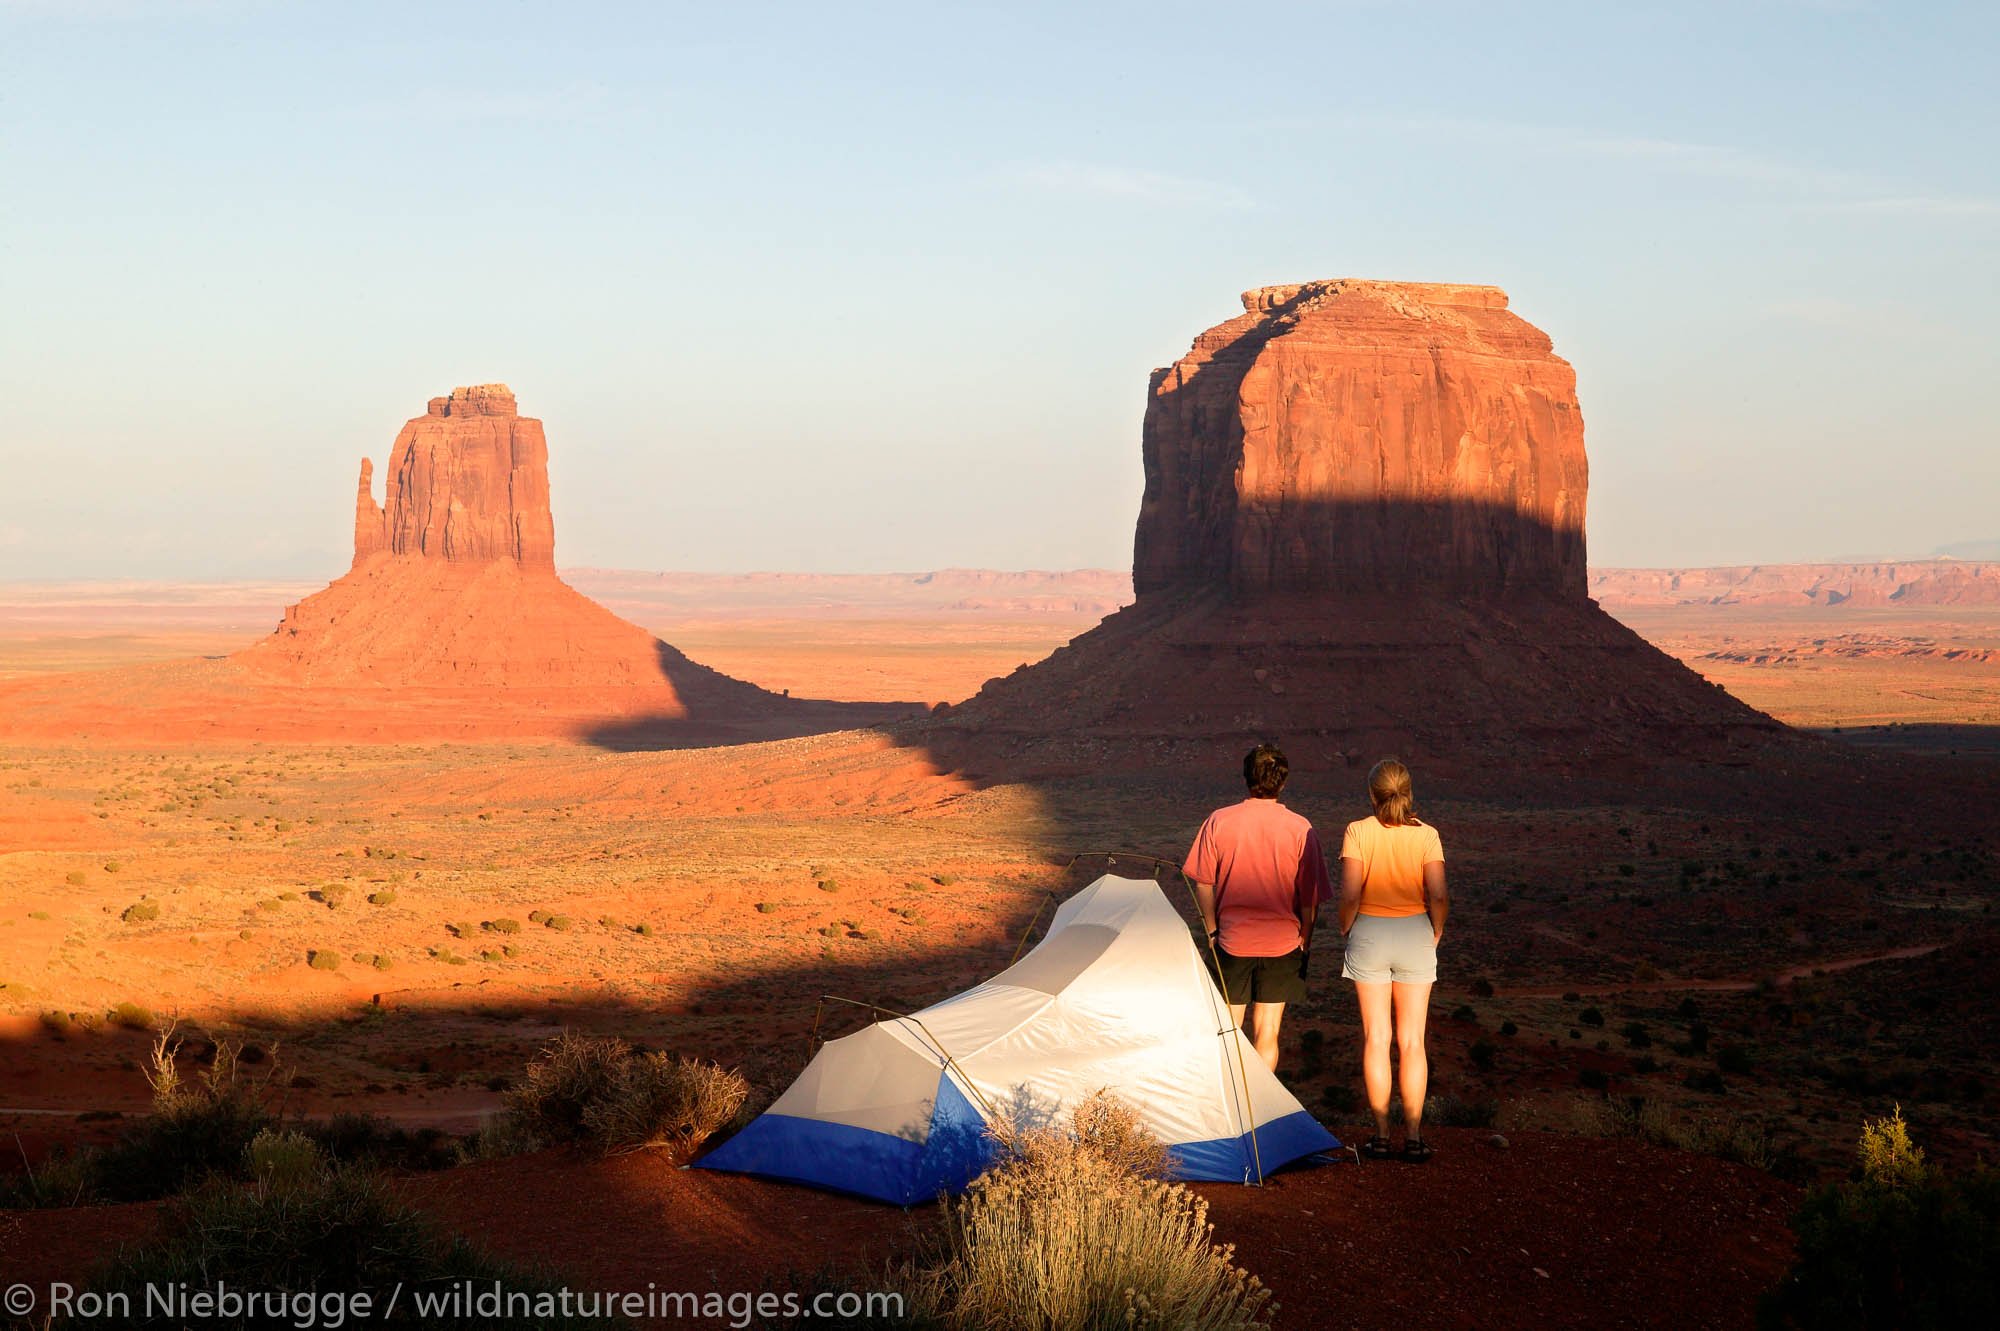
x=1355 y=436
x=467 y=482
x=1362 y=533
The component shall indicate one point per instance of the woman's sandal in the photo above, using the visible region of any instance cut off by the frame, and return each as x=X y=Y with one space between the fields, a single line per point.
x=1378 y=1148
x=1416 y=1151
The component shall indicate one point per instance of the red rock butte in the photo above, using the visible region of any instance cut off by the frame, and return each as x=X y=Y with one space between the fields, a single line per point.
x=1361 y=533
x=453 y=603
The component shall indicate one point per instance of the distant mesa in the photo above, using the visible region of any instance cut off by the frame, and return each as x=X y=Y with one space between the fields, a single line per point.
x=1362 y=532
x=453 y=591
x=1918 y=582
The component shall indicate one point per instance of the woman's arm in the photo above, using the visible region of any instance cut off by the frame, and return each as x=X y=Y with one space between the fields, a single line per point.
x=1439 y=897
x=1352 y=875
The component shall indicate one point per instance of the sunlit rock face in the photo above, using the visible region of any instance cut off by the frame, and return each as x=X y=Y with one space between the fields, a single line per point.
x=467 y=481
x=1358 y=436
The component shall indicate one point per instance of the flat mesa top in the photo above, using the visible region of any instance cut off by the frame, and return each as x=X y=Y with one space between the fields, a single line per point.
x=476 y=400
x=1298 y=295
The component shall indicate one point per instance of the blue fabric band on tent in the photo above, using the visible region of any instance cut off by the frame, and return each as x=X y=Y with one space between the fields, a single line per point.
x=861 y=1161
x=1229 y=1159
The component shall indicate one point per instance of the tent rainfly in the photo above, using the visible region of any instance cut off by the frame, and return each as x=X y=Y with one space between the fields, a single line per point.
x=1116 y=997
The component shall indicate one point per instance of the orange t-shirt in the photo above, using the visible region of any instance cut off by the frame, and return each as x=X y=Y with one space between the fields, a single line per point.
x=1392 y=860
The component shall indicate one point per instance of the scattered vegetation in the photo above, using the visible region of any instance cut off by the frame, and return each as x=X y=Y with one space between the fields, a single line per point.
x=323 y=959
x=385 y=897
x=132 y=1017
x=320 y=1229
x=1902 y=1244
x=141 y=911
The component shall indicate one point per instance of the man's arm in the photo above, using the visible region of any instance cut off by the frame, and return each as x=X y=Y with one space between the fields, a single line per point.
x=1352 y=876
x=1204 y=898
x=1438 y=896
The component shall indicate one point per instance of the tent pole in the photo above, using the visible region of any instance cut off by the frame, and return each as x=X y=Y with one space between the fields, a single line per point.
x=1046 y=899
x=1242 y=1072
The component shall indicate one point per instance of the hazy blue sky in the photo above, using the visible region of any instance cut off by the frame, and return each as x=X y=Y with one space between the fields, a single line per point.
x=877 y=287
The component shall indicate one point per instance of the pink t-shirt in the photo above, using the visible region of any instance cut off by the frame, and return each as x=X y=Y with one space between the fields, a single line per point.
x=1266 y=865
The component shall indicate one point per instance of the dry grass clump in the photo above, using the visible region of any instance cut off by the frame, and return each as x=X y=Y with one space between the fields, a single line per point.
x=1074 y=1228
x=597 y=1089
x=665 y=1103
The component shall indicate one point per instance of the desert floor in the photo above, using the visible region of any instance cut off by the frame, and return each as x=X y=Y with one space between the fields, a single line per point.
x=402 y=926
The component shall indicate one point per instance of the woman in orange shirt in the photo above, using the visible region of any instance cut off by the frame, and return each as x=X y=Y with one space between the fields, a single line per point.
x=1393 y=904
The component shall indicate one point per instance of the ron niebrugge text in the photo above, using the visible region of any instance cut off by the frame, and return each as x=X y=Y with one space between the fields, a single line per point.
x=324 y=1310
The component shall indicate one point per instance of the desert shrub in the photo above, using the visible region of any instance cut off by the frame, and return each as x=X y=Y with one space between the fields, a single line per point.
x=1449 y=1111
x=65 y=1178
x=644 y=930
x=1590 y=1016
x=333 y=894
x=663 y=1103
x=381 y=963
x=1482 y=988
x=386 y=897
x=141 y=911
x=500 y=1136
x=196 y=1128
x=1481 y=1053
x=1636 y=1035
x=944 y=879
x=364 y=1139
x=1063 y=1232
x=1509 y=1028
x=1901 y=1245
x=344 y=1230
x=560 y=923
x=132 y=1017
x=74 y=878
x=828 y=885
x=323 y=959
x=572 y=1073
x=281 y=1161
x=504 y=926
x=767 y=907
x=1732 y=1060
x=112 y=866
x=538 y=917
x=1592 y=1079
x=459 y=928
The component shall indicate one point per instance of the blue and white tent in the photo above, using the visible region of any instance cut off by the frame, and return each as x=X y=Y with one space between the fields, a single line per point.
x=1115 y=998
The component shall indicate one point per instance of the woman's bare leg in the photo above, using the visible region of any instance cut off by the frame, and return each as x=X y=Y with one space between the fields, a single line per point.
x=1412 y=1002
x=1375 y=1035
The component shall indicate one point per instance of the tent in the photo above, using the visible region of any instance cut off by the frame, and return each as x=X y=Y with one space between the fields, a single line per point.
x=1115 y=997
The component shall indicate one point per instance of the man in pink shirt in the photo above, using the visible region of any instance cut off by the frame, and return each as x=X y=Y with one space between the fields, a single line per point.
x=1260 y=879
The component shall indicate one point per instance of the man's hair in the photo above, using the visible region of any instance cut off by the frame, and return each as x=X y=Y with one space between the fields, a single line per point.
x=1389 y=789
x=1265 y=770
